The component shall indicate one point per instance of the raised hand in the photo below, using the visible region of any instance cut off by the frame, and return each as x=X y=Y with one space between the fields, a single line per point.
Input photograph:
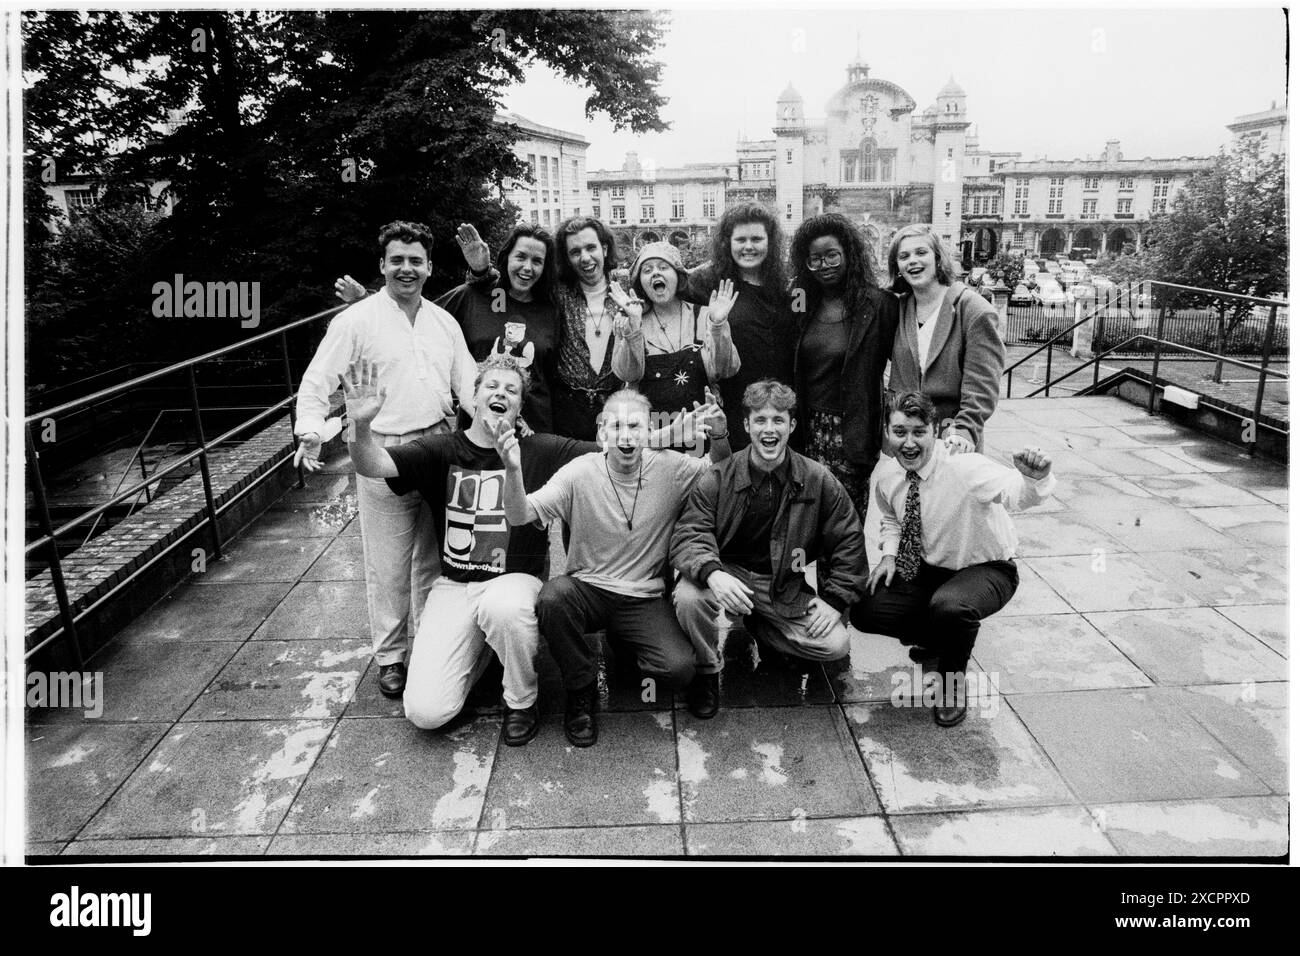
x=958 y=443
x=308 y=452
x=477 y=255
x=721 y=300
x=349 y=289
x=362 y=392
x=507 y=443
x=731 y=592
x=1032 y=463
x=628 y=321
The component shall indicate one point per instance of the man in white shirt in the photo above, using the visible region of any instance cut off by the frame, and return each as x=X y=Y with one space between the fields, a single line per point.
x=422 y=359
x=948 y=542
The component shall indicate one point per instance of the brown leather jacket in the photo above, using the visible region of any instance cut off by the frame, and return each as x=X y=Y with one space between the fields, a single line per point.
x=815 y=521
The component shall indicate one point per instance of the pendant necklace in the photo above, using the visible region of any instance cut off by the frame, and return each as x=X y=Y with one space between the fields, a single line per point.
x=640 y=472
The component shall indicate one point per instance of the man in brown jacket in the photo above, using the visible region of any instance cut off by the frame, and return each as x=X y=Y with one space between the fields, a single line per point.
x=750 y=527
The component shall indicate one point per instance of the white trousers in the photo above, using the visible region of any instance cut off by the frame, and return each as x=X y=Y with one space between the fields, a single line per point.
x=400 y=545
x=461 y=627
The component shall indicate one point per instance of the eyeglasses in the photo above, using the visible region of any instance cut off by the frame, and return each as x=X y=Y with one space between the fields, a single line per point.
x=831 y=259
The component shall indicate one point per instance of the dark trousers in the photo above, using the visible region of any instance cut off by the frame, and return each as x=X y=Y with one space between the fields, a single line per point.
x=939 y=610
x=574 y=411
x=568 y=609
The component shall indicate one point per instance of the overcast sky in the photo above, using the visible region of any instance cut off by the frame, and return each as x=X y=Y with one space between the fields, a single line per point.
x=1053 y=82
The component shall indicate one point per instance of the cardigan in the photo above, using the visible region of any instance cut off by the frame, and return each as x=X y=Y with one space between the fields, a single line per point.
x=967 y=361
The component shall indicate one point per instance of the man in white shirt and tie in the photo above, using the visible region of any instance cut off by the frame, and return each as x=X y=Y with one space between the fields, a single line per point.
x=422 y=359
x=948 y=542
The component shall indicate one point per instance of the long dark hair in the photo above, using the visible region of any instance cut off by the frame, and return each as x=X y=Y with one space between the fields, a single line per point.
x=529 y=230
x=772 y=272
x=859 y=276
x=564 y=270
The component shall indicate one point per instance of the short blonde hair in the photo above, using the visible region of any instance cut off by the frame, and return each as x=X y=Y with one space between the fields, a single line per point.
x=944 y=268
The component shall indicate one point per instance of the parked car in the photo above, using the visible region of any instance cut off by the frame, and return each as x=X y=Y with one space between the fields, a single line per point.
x=1050 y=295
x=1021 y=295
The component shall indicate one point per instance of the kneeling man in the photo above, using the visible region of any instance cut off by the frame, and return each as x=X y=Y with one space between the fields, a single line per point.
x=949 y=545
x=484 y=602
x=749 y=529
x=620 y=506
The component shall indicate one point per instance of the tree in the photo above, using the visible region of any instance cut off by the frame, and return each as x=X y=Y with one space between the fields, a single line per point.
x=1007 y=269
x=288 y=138
x=1226 y=231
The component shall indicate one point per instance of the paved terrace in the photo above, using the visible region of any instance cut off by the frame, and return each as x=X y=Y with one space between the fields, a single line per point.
x=1140 y=707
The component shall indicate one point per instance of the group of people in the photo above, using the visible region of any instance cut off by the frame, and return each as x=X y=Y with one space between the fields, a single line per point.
x=703 y=437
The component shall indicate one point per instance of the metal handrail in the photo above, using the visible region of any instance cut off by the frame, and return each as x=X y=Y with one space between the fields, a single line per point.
x=1097 y=358
x=177 y=367
x=138 y=453
x=49 y=540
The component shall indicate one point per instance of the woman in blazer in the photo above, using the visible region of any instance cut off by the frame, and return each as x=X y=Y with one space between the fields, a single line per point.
x=947 y=345
x=846 y=327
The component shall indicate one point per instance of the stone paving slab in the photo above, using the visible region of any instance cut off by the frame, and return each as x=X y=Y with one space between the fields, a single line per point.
x=1241 y=826
x=218 y=612
x=771 y=764
x=170 y=846
x=233 y=778
x=628 y=777
x=260 y=560
x=1249 y=719
x=284 y=680
x=319 y=610
x=1190 y=646
x=989 y=760
x=342 y=561
x=426 y=843
x=1264 y=526
x=73 y=768
x=1151 y=526
x=853 y=836
x=654 y=841
x=385 y=775
x=1039 y=832
x=152 y=682
x=1268 y=622
x=1129 y=746
x=1056 y=652
x=1239 y=576
x=1111 y=582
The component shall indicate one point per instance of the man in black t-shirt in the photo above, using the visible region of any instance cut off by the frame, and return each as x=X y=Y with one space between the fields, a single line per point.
x=485 y=600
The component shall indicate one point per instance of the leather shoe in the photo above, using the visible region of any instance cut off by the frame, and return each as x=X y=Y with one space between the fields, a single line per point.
x=392 y=679
x=580 y=716
x=952 y=711
x=702 y=696
x=521 y=725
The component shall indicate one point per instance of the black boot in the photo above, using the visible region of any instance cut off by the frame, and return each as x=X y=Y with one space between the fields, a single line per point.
x=702 y=696
x=580 y=708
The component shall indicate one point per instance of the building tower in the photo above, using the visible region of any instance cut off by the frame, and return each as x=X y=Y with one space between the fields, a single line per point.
x=950 y=125
x=790 y=128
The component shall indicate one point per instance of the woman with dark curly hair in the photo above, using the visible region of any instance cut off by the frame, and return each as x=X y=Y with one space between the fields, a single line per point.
x=846 y=332
x=747 y=251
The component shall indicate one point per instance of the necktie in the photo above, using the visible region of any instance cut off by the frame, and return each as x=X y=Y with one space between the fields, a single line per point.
x=909 y=547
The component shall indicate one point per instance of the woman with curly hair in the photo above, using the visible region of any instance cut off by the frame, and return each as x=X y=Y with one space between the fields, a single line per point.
x=747 y=252
x=846 y=328
x=948 y=347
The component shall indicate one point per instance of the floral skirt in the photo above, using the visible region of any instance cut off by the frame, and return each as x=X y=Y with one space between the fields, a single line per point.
x=824 y=443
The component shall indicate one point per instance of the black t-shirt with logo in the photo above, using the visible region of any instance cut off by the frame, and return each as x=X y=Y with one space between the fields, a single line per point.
x=464 y=484
x=525 y=330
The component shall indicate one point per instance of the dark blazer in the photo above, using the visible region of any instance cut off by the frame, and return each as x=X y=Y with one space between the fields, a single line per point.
x=969 y=357
x=815 y=521
x=871 y=339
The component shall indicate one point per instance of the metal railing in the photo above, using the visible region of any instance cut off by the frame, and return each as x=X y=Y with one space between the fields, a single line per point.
x=50 y=534
x=1159 y=343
